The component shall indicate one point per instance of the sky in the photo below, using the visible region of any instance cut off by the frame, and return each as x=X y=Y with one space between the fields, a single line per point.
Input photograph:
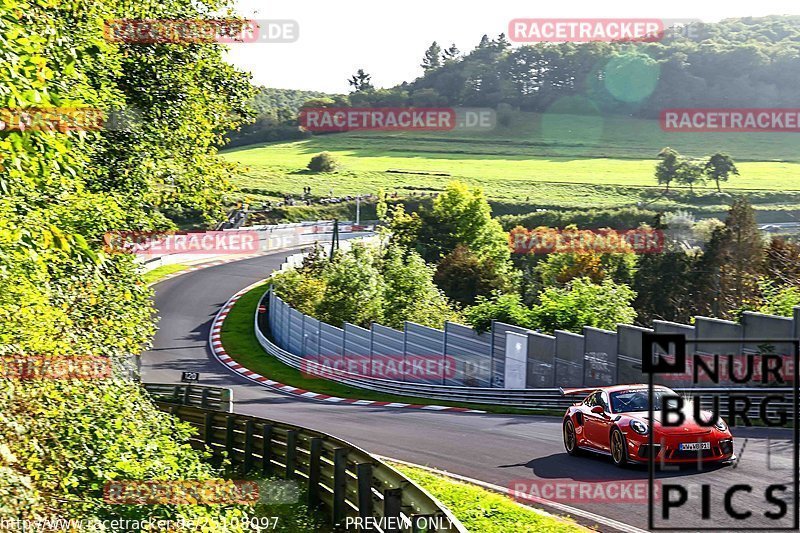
x=388 y=39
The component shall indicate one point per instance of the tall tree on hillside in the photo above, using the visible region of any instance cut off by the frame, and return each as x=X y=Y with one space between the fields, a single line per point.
x=432 y=58
x=451 y=54
x=501 y=43
x=361 y=81
x=718 y=167
x=732 y=264
x=667 y=168
x=485 y=42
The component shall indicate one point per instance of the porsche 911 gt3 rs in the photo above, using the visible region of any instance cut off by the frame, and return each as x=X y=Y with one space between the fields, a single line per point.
x=614 y=421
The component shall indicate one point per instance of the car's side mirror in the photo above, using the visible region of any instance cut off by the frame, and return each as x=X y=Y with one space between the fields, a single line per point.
x=598 y=409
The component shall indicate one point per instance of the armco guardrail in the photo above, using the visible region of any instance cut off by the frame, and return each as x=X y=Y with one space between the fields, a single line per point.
x=216 y=398
x=342 y=479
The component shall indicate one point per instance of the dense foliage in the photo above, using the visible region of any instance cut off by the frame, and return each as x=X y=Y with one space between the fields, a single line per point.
x=60 y=294
x=368 y=283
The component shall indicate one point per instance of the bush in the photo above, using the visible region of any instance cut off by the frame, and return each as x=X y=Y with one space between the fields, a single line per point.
x=366 y=284
x=463 y=276
x=584 y=303
x=323 y=162
x=505 y=308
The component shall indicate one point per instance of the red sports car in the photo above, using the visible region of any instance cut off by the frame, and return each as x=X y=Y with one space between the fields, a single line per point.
x=614 y=421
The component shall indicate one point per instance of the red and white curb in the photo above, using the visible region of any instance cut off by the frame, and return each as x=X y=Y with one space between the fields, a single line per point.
x=222 y=356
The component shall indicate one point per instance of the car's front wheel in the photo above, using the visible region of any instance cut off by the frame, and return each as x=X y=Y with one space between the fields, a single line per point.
x=570 y=439
x=619 y=450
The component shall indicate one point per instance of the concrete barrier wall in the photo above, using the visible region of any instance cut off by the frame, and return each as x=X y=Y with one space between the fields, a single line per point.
x=629 y=353
x=569 y=358
x=600 y=357
x=541 y=360
x=426 y=342
x=331 y=340
x=472 y=353
x=311 y=337
x=596 y=358
x=357 y=342
x=499 y=331
x=714 y=328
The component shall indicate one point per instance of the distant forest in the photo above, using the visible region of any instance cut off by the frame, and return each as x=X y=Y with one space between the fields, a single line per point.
x=744 y=62
x=276 y=116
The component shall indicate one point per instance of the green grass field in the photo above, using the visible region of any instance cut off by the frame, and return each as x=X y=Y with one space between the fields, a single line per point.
x=555 y=161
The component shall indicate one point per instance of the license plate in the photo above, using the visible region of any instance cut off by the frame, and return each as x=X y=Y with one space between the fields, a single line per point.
x=694 y=446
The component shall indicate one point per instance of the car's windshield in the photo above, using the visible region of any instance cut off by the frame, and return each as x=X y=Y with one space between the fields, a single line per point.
x=635 y=400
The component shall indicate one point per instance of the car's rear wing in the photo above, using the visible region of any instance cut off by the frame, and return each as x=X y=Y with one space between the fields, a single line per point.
x=575 y=392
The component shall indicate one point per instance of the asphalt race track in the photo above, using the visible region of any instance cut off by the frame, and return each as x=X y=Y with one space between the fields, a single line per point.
x=497 y=449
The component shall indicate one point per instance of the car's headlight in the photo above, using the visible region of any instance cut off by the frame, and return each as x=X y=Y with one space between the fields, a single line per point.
x=721 y=425
x=639 y=427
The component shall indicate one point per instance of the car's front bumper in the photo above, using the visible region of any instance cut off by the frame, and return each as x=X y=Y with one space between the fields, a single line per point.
x=667 y=451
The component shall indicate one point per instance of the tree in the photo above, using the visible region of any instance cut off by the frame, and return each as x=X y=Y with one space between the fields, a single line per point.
x=410 y=294
x=561 y=268
x=728 y=273
x=505 y=308
x=361 y=81
x=381 y=207
x=689 y=172
x=783 y=261
x=463 y=276
x=778 y=300
x=718 y=167
x=501 y=43
x=667 y=168
x=462 y=215
x=405 y=228
x=354 y=289
x=584 y=303
x=451 y=54
x=432 y=59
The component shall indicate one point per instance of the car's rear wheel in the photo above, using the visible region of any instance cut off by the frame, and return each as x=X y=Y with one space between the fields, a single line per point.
x=570 y=439
x=619 y=450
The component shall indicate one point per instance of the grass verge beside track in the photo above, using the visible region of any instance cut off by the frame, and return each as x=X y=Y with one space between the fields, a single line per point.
x=152 y=276
x=241 y=344
x=488 y=512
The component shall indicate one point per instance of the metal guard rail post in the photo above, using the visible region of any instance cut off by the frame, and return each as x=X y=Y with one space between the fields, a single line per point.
x=342 y=479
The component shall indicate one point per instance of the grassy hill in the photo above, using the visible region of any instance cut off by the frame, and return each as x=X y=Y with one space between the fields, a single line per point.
x=535 y=161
